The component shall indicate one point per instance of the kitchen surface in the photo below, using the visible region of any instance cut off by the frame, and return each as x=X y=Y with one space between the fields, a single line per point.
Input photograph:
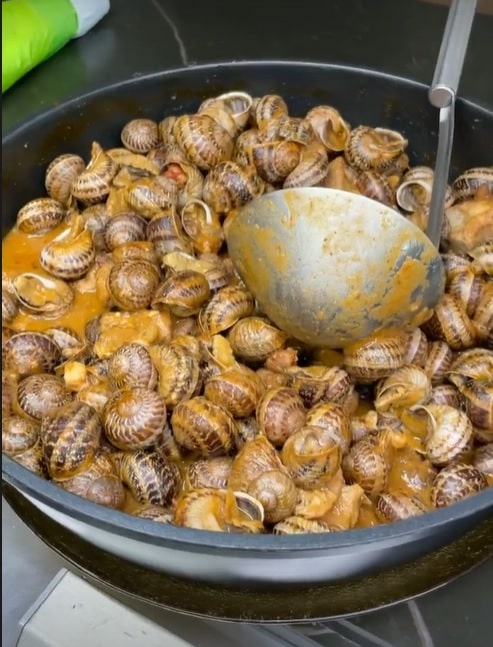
x=400 y=37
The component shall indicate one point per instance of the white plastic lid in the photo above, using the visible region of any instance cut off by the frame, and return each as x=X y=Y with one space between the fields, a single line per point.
x=89 y=12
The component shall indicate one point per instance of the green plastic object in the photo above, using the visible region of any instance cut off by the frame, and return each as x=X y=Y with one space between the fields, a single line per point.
x=32 y=31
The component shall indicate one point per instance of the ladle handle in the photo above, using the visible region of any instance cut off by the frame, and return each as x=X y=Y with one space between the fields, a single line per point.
x=450 y=60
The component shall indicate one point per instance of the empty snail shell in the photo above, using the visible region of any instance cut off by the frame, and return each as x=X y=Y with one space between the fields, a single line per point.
x=209 y=473
x=329 y=126
x=132 y=284
x=311 y=169
x=28 y=353
x=296 y=525
x=450 y=323
x=334 y=420
x=256 y=457
x=456 y=482
x=99 y=483
x=70 y=254
x=229 y=186
x=276 y=492
x=18 y=434
x=150 y=477
x=140 y=135
x=158 y=513
x=466 y=185
x=202 y=225
x=42 y=295
x=201 y=425
x=267 y=108
x=39 y=216
x=396 y=506
x=183 y=293
x=236 y=389
x=70 y=437
x=376 y=357
x=133 y=418
x=38 y=394
x=60 y=175
x=178 y=370
x=124 y=228
x=310 y=455
x=450 y=432
x=405 y=387
x=439 y=361
x=414 y=190
x=254 y=338
x=373 y=148
x=204 y=141
x=93 y=184
x=225 y=308
x=280 y=412
x=275 y=160
x=130 y=366
x=416 y=347
x=150 y=195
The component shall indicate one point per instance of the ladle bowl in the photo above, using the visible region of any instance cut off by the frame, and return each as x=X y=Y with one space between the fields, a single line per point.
x=331 y=267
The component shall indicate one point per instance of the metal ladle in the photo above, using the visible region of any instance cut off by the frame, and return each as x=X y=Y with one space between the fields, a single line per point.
x=331 y=267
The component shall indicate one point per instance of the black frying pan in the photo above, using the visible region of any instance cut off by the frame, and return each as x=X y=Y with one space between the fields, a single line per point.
x=244 y=562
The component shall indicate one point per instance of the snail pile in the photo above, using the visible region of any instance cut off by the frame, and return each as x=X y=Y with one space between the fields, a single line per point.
x=139 y=373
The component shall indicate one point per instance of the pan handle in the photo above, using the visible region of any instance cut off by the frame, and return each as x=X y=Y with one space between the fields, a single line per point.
x=450 y=61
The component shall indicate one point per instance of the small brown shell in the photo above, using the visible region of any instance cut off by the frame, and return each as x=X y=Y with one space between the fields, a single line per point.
x=18 y=434
x=70 y=437
x=374 y=358
x=334 y=419
x=311 y=454
x=71 y=254
x=132 y=284
x=60 y=175
x=134 y=418
x=225 y=308
x=329 y=126
x=280 y=413
x=204 y=141
x=450 y=433
x=38 y=394
x=267 y=108
x=376 y=187
x=276 y=492
x=99 y=483
x=203 y=226
x=93 y=184
x=483 y=459
x=209 y=473
x=467 y=288
x=445 y=394
x=28 y=353
x=150 y=478
x=246 y=429
x=416 y=347
x=275 y=160
x=367 y=465
x=124 y=228
x=203 y=426
x=150 y=195
x=236 y=389
x=140 y=135
x=183 y=293
x=165 y=232
x=9 y=390
x=466 y=185
x=405 y=387
x=256 y=457
x=178 y=371
x=392 y=507
x=131 y=366
x=39 y=216
x=439 y=361
x=244 y=144
x=229 y=186
x=311 y=169
x=450 y=323
x=299 y=526
x=455 y=483
x=373 y=148
x=253 y=339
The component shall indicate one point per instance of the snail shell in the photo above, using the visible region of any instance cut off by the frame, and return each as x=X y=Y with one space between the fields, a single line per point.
x=216 y=110
x=318 y=383
x=414 y=190
x=236 y=389
x=238 y=105
x=368 y=462
x=376 y=187
x=61 y=174
x=456 y=482
x=329 y=126
x=280 y=413
x=416 y=348
x=311 y=454
x=450 y=432
x=476 y=363
x=287 y=128
x=344 y=514
x=405 y=387
x=133 y=418
x=275 y=160
x=157 y=513
x=178 y=370
x=183 y=293
x=450 y=323
x=253 y=339
x=10 y=307
x=229 y=186
x=276 y=492
x=150 y=195
x=138 y=250
x=466 y=185
x=256 y=457
x=225 y=308
x=70 y=254
x=39 y=216
x=164 y=231
x=268 y=108
x=244 y=145
x=28 y=353
x=209 y=473
x=246 y=429
x=376 y=357
x=99 y=483
x=33 y=460
x=296 y=525
x=18 y=434
x=203 y=426
x=271 y=379
x=467 y=288
x=215 y=269
x=150 y=478
x=445 y=394
x=454 y=264
x=95 y=395
x=311 y=169
x=131 y=366
x=483 y=258
x=93 y=184
x=124 y=228
x=140 y=135
x=392 y=507
x=373 y=148
x=70 y=437
x=69 y=342
x=204 y=141
x=38 y=394
x=334 y=420
x=313 y=504
x=9 y=390
x=478 y=398
x=203 y=226
x=132 y=284
x=483 y=317
x=135 y=162
x=483 y=459
x=439 y=361
x=42 y=295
